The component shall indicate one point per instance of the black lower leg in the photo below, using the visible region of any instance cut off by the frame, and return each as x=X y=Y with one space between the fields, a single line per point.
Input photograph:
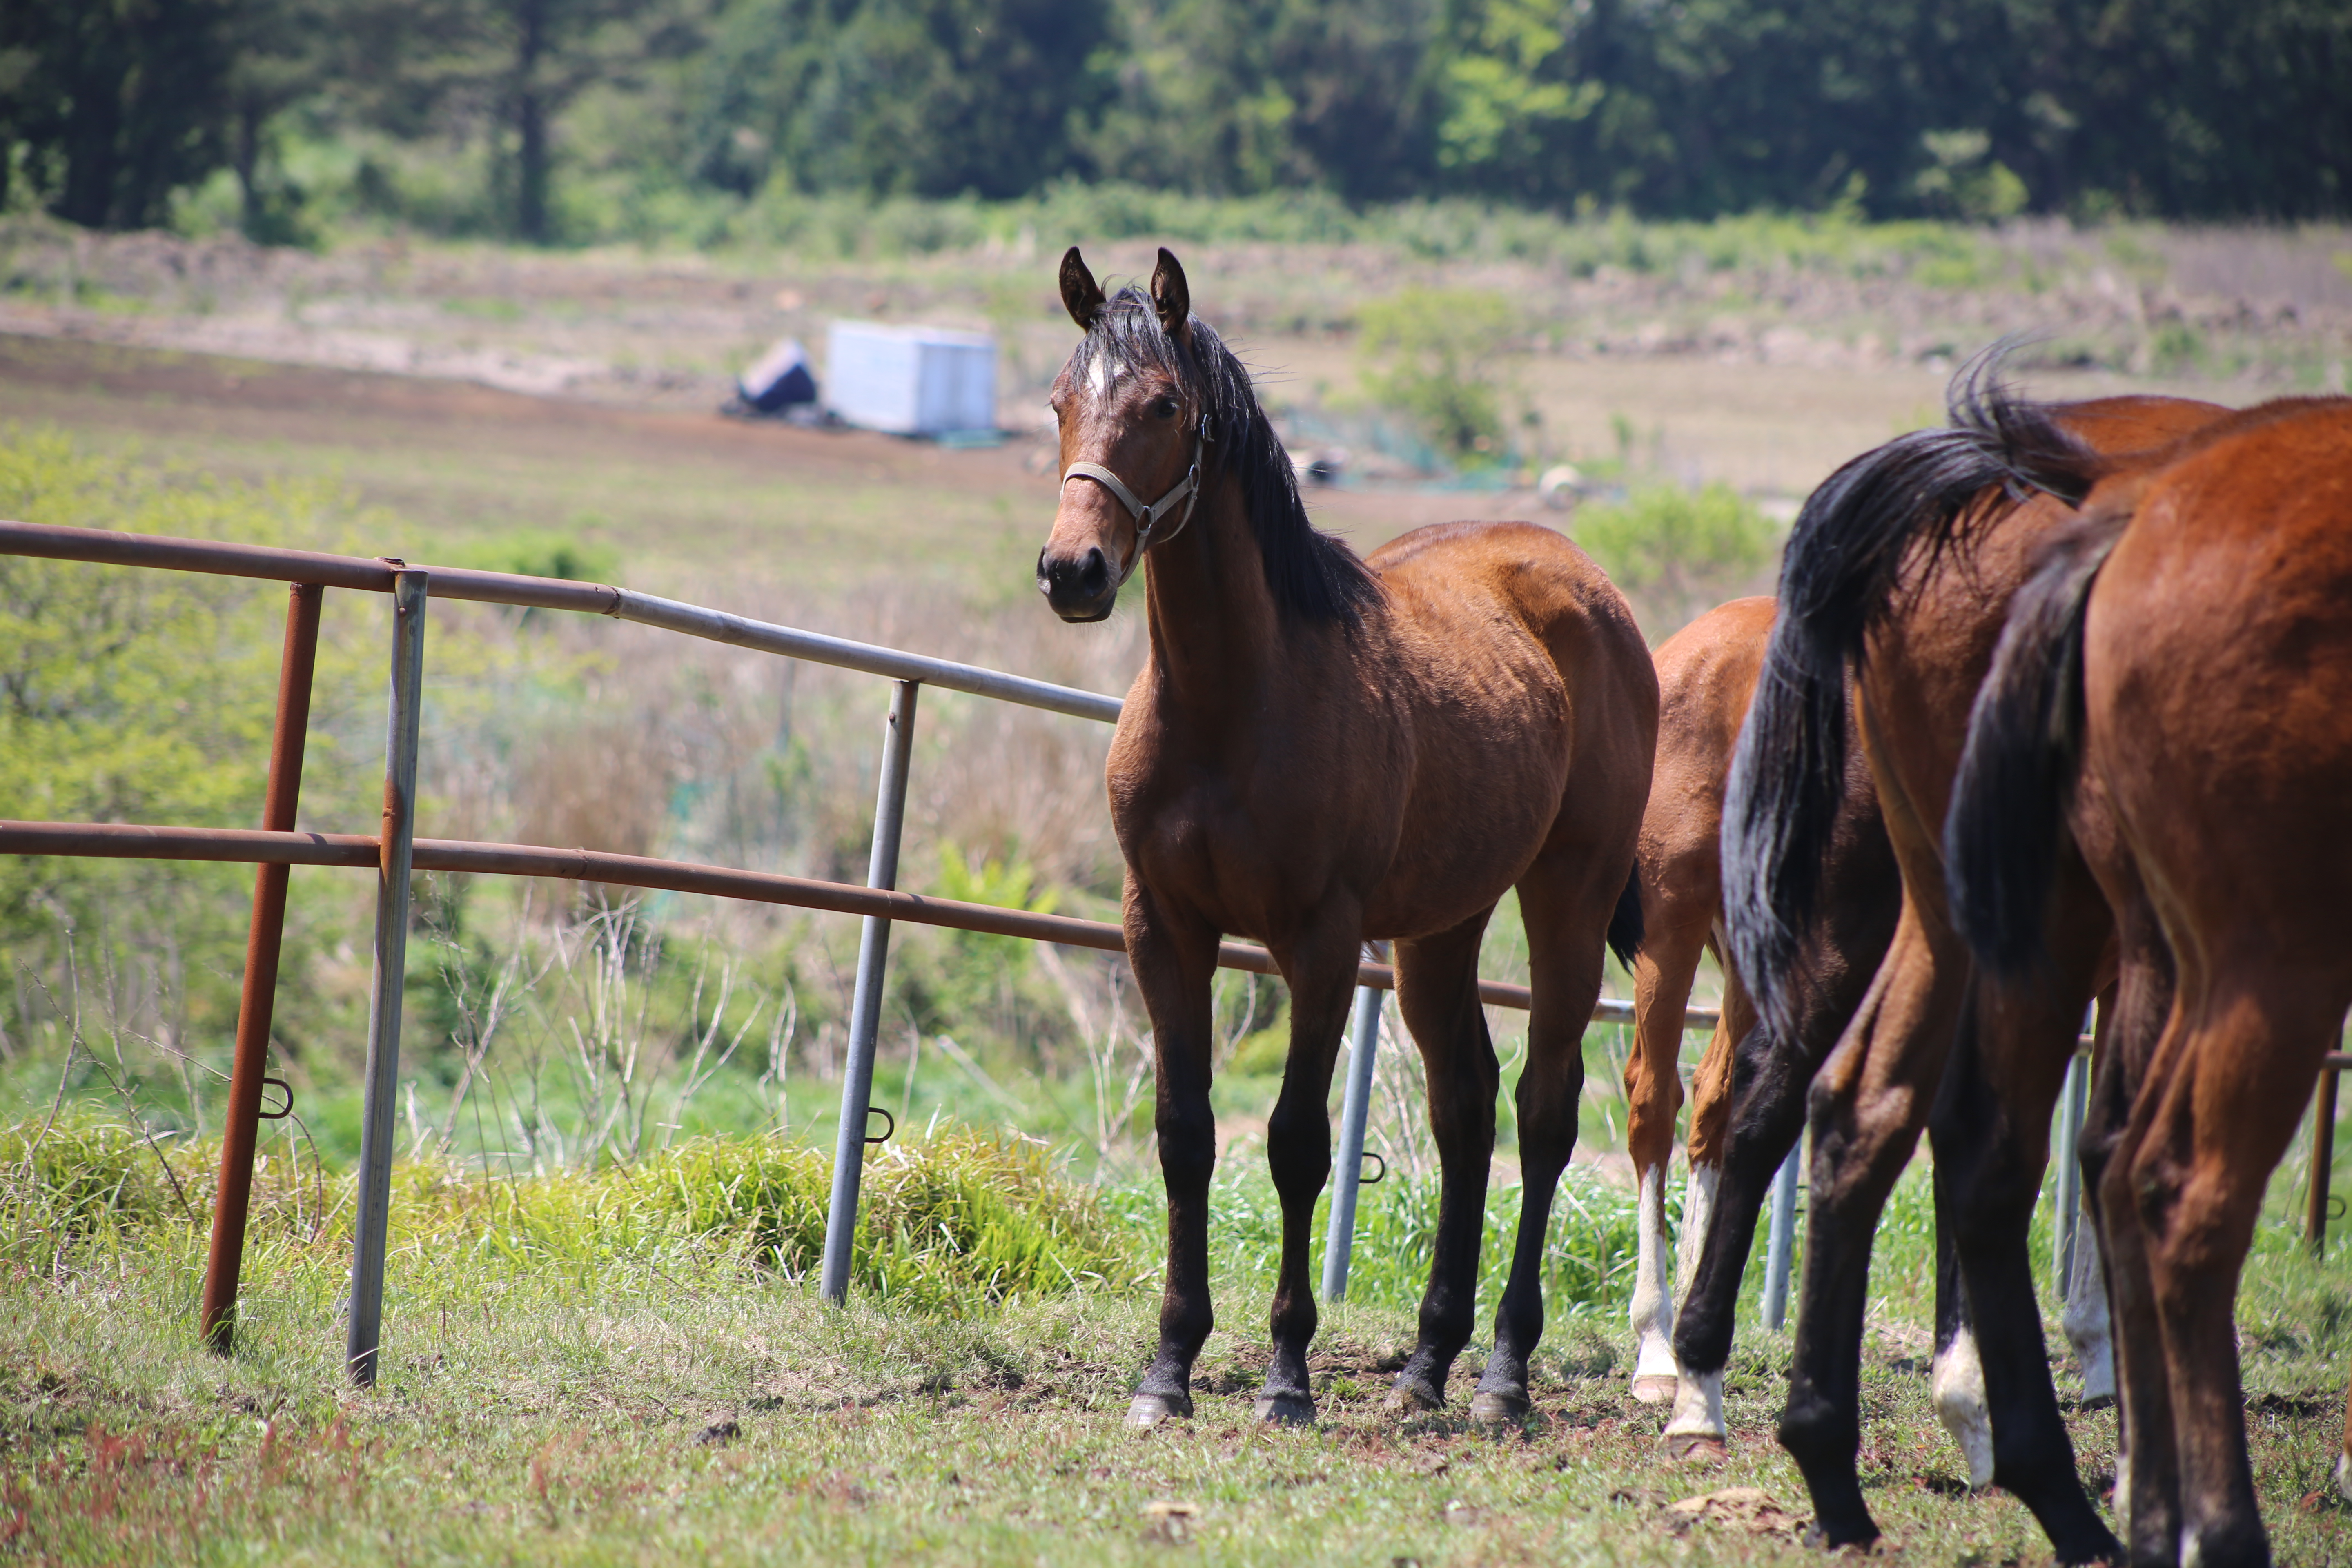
x=1298 y=1152
x=1188 y=1155
x=1989 y=1182
x=1768 y=1117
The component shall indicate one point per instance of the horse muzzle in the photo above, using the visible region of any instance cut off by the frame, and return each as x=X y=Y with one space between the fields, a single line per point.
x=1080 y=587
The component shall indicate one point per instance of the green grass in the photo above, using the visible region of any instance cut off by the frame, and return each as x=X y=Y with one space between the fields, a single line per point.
x=603 y=1369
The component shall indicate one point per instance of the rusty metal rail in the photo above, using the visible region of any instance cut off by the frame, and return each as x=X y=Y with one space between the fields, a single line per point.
x=128 y=841
x=276 y=848
x=2318 y=1200
x=270 y=563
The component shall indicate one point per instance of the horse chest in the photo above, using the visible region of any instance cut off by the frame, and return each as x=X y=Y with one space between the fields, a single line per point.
x=1251 y=841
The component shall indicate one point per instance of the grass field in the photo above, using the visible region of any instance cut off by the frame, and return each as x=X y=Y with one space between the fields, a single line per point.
x=617 y=1391
x=622 y=1364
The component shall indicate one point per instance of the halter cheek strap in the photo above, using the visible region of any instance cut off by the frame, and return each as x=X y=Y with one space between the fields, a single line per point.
x=1146 y=517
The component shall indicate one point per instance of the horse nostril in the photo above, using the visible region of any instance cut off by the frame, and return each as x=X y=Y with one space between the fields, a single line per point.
x=1096 y=573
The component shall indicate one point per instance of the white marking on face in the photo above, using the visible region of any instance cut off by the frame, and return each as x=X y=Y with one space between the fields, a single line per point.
x=1101 y=374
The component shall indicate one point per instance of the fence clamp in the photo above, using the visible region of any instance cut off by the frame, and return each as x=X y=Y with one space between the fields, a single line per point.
x=1381 y=1176
x=288 y=1109
x=889 y=1125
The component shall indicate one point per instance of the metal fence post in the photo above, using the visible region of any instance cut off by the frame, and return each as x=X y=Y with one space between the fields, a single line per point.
x=866 y=1005
x=234 y=1194
x=395 y=852
x=1781 y=1241
x=2323 y=1159
x=1364 y=1040
x=2071 y=1102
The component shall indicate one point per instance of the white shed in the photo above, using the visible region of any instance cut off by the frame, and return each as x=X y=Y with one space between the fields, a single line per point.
x=910 y=380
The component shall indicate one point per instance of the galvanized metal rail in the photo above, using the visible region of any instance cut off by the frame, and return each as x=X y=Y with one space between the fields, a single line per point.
x=395 y=852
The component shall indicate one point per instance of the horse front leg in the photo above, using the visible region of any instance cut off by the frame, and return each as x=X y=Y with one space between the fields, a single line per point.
x=1437 y=991
x=1321 y=974
x=1174 y=958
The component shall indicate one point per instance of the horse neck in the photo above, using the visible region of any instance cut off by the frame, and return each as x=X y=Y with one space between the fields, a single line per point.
x=1215 y=633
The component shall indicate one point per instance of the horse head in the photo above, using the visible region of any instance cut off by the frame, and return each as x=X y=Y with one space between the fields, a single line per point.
x=1130 y=406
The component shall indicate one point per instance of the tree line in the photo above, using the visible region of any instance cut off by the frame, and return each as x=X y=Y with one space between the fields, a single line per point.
x=1968 y=109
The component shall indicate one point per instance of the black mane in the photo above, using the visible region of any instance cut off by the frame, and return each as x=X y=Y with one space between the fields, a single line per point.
x=1312 y=575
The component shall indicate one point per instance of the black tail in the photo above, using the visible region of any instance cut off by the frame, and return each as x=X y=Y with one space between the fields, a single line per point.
x=2025 y=733
x=1903 y=503
x=1625 y=925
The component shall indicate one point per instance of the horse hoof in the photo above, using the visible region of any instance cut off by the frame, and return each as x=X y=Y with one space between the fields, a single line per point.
x=1822 y=1538
x=1654 y=1389
x=1495 y=1409
x=1151 y=1409
x=2091 y=1402
x=1285 y=1409
x=1696 y=1448
x=1414 y=1398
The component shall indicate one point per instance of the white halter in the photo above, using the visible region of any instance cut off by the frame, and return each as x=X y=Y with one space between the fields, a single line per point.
x=1146 y=517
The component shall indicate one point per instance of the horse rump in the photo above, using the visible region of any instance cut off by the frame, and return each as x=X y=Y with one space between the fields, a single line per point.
x=1891 y=511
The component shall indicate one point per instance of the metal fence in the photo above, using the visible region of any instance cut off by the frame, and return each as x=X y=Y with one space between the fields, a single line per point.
x=396 y=852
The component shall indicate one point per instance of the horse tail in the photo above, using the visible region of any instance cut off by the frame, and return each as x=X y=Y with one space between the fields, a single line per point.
x=2025 y=747
x=1625 y=925
x=1897 y=508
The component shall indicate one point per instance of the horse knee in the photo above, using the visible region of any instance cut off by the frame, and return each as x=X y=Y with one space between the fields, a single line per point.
x=1188 y=1144
x=1298 y=1159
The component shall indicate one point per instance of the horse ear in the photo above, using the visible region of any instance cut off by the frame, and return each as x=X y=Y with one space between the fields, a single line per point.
x=1171 y=294
x=1081 y=295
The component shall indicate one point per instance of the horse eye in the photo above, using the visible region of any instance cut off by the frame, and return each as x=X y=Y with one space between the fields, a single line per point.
x=1165 y=407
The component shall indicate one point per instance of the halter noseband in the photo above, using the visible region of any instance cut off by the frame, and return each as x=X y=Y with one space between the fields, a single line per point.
x=1146 y=517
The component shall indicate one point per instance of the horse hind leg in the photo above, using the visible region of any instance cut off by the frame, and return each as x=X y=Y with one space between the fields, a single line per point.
x=2248 y=1049
x=1956 y=1378
x=1867 y=1107
x=1566 y=913
x=1437 y=992
x=1695 y=1426
x=1653 y=1094
x=1991 y=1130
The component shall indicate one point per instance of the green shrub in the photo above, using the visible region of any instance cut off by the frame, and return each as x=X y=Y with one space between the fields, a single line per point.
x=1677 y=550
x=1437 y=356
x=947 y=1223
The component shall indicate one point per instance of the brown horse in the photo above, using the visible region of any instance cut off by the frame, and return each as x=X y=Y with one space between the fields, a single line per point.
x=1706 y=677
x=1899 y=570
x=1747 y=1096
x=1321 y=749
x=1706 y=672
x=2171 y=695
